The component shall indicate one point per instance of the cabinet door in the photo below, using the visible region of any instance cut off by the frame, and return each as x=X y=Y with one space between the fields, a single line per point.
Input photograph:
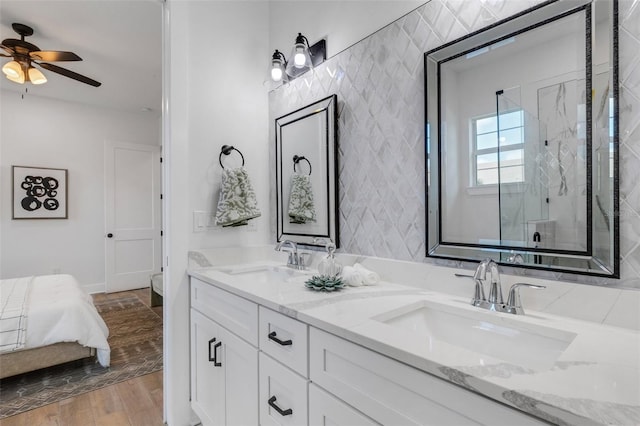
x=325 y=409
x=283 y=395
x=207 y=374
x=240 y=363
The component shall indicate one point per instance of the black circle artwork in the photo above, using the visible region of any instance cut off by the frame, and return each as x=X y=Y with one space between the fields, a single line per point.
x=40 y=192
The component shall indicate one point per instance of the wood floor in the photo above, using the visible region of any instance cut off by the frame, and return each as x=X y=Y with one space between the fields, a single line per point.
x=136 y=402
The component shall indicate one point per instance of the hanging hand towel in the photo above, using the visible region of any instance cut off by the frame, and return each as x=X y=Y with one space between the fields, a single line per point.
x=237 y=203
x=301 y=207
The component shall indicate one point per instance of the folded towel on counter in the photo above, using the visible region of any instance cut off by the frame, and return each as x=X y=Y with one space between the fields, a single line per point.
x=368 y=277
x=237 y=203
x=301 y=206
x=352 y=276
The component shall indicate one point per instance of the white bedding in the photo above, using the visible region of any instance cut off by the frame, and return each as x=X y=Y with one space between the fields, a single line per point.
x=13 y=313
x=59 y=310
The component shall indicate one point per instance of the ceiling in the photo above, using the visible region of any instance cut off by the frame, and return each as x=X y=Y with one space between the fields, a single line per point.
x=120 y=42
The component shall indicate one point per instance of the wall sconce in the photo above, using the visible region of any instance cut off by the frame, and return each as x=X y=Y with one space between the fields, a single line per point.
x=278 y=64
x=303 y=58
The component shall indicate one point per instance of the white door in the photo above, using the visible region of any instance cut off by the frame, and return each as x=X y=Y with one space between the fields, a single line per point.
x=133 y=216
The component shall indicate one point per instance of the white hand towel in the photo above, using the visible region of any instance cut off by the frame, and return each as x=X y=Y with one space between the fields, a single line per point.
x=369 y=277
x=352 y=277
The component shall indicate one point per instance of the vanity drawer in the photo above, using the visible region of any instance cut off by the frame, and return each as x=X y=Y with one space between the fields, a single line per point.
x=285 y=339
x=236 y=314
x=282 y=395
x=393 y=393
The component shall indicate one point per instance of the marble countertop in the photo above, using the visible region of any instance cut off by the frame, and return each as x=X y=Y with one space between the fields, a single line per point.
x=594 y=380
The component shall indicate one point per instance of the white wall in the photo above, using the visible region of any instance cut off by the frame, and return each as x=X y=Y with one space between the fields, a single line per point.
x=219 y=57
x=341 y=23
x=42 y=132
x=228 y=106
x=217 y=65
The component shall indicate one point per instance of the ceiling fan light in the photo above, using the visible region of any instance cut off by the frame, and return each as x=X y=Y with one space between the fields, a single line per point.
x=13 y=69
x=36 y=77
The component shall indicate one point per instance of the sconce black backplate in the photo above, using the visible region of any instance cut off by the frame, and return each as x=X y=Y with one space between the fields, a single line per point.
x=318 y=52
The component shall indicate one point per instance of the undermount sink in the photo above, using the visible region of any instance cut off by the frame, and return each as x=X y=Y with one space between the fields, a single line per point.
x=266 y=273
x=499 y=336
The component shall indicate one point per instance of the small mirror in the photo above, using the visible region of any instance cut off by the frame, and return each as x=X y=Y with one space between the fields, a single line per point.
x=522 y=141
x=306 y=173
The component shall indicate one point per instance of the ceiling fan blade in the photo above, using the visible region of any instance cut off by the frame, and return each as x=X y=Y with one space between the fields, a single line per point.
x=54 y=56
x=7 y=49
x=68 y=73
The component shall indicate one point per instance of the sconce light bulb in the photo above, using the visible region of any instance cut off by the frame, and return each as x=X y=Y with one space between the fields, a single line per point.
x=299 y=59
x=276 y=73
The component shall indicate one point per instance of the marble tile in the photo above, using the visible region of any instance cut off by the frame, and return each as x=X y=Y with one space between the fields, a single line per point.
x=626 y=311
x=627 y=54
x=381 y=128
x=588 y=303
x=630 y=16
x=629 y=229
x=630 y=171
x=632 y=140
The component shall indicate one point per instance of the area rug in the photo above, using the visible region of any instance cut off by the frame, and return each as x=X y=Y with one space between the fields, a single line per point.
x=135 y=338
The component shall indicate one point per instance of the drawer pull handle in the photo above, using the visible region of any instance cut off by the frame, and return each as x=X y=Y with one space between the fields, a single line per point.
x=272 y=336
x=214 y=358
x=272 y=403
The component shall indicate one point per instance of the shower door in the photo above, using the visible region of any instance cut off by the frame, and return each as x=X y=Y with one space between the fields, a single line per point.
x=522 y=174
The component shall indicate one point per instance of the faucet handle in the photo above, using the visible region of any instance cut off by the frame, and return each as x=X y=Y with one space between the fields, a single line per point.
x=514 y=304
x=478 y=296
x=302 y=260
x=495 y=289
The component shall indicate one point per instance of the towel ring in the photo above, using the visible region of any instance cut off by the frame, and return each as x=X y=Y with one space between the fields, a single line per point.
x=226 y=150
x=297 y=159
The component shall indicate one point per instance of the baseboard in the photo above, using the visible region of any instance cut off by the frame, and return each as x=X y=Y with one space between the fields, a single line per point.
x=94 y=288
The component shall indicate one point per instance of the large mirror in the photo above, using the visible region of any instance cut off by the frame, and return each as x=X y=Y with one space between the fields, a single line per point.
x=306 y=173
x=522 y=136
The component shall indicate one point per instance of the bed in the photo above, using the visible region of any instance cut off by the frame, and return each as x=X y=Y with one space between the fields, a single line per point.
x=48 y=320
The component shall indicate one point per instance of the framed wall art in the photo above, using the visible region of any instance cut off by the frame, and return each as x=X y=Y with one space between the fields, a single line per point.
x=39 y=193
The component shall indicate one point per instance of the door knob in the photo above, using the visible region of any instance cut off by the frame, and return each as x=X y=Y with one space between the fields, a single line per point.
x=109 y=235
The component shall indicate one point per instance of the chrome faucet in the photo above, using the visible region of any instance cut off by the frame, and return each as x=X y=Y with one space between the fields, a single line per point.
x=495 y=289
x=295 y=259
x=495 y=302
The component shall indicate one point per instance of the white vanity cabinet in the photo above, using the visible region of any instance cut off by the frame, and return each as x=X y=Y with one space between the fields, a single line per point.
x=224 y=357
x=252 y=365
x=393 y=393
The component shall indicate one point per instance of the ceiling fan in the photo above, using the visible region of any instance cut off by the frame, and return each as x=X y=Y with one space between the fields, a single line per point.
x=25 y=55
